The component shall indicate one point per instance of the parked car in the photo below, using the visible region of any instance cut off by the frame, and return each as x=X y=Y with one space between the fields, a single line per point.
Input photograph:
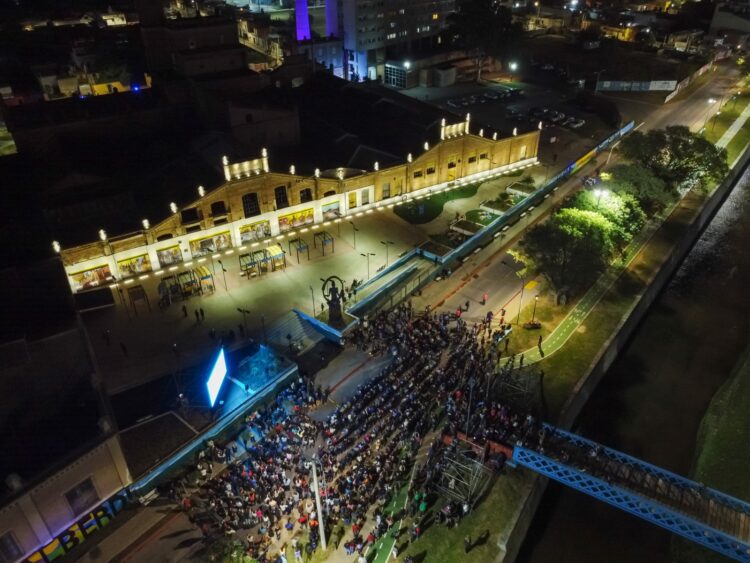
x=454 y=103
x=577 y=124
x=556 y=116
x=567 y=121
x=491 y=95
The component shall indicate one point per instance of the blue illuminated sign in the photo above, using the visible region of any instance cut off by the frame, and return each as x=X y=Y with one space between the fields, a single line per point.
x=218 y=373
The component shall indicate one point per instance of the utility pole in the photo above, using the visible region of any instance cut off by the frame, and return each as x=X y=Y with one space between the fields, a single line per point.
x=322 y=525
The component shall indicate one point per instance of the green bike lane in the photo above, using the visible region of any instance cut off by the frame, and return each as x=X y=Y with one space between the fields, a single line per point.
x=560 y=335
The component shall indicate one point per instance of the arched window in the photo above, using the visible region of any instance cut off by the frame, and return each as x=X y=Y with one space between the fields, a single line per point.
x=250 y=204
x=305 y=195
x=329 y=193
x=282 y=200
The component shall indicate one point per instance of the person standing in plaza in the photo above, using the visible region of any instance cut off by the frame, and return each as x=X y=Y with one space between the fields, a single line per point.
x=203 y=315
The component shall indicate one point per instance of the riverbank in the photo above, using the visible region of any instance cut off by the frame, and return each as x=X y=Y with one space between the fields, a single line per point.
x=722 y=458
x=607 y=329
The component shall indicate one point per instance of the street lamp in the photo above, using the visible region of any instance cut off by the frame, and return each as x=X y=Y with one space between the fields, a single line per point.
x=224 y=274
x=244 y=312
x=312 y=294
x=367 y=255
x=318 y=504
x=56 y=246
x=599 y=194
x=387 y=243
x=533 y=313
x=354 y=234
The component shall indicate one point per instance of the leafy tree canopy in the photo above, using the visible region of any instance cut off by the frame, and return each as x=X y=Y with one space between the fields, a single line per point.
x=677 y=156
x=572 y=248
x=653 y=193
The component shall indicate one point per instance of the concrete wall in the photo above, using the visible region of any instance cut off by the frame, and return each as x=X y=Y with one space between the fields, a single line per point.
x=618 y=341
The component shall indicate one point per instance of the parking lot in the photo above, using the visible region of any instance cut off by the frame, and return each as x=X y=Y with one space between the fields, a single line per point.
x=518 y=105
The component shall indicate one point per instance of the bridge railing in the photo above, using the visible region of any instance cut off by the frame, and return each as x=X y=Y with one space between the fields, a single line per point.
x=669 y=477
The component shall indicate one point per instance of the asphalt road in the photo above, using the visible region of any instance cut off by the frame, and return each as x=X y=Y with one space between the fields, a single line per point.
x=504 y=289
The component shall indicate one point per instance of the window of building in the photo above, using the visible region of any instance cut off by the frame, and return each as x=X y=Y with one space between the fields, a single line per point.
x=352 y=200
x=82 y=497
x=472 y=159
x=417 y=173
x=329 y=193
x=365 y=197
x=435 y=16
x=9 y=550
x=451 y=164
x=250 y=205
x=282 y=200
x=483 y=156
x=386 y=190
x=430 y=168
x=522 y=152
x=305 y=195
x=218 y=208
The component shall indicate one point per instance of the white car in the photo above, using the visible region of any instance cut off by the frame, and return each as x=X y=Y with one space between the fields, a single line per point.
x=453 y=104
x=577 y=124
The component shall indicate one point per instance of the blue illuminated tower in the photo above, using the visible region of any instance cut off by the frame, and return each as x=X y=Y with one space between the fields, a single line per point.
x=303 y=21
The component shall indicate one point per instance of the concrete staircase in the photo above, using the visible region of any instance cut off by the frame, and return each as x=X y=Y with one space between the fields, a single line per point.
x=304 y=336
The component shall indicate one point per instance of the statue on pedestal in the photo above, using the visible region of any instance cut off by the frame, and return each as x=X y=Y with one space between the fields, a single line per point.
x=333 y=291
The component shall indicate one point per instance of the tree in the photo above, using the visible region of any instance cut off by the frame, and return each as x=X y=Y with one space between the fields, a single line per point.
x=621 y=210
x=485 y=28
x=677 y=156
x=572 y=248
x=653 y=193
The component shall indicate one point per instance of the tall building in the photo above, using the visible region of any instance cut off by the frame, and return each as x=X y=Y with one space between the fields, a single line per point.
x=374 y=30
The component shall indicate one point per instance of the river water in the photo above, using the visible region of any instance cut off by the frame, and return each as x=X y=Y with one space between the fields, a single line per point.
x=651 y=401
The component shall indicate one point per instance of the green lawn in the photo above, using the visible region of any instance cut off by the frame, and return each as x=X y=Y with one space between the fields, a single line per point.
x=425 y=210
x=723 y=459
x=718 y=124
x=481 y=217
x=438 y=544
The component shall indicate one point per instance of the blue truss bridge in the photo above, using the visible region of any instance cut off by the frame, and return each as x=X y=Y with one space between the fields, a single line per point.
x=684 y=507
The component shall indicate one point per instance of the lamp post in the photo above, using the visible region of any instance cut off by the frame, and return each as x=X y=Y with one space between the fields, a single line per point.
x=520 y=301
x=245 y=313
x=598 y=194
x=223 y=274
x=710 y=101
x=716 y=116
x=354 y=234
x=533 y=313
x=386 y=243
x=319 y=505
x=312 y=294
x=367 y=255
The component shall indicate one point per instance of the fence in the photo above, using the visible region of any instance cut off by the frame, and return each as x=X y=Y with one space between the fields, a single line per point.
x=512 y=215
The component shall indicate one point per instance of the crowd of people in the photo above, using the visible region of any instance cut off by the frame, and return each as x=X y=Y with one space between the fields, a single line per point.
x=364 y=451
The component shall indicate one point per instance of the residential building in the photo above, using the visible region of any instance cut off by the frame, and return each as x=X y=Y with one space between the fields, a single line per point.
x=375 y=31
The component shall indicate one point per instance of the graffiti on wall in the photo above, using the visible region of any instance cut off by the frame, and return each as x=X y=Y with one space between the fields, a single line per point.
x=77 y=533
